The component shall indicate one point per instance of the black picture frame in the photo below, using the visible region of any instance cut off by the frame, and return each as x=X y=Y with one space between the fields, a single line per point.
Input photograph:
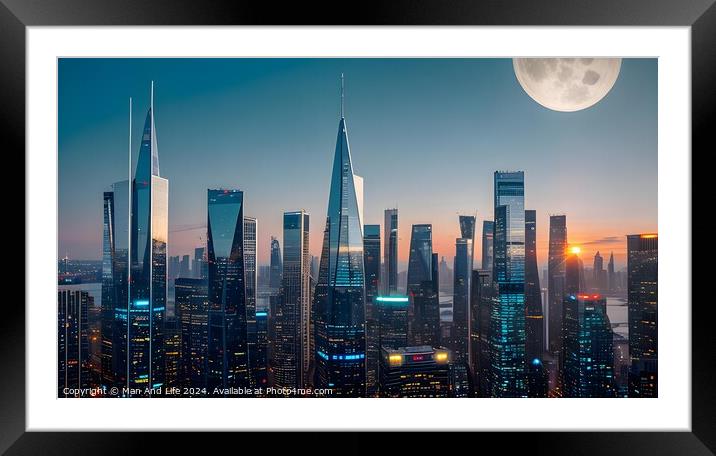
x=16 y=15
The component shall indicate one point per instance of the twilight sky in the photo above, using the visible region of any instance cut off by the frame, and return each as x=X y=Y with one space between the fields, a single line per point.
x=425 y=134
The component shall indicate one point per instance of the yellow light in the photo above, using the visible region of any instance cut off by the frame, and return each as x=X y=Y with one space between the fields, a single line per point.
x=648 y=236
x=395 y=360
x=575 y=250
x=441 y=357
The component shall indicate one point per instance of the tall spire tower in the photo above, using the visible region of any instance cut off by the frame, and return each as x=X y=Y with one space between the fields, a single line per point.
x=148 y=286
x=340 y=291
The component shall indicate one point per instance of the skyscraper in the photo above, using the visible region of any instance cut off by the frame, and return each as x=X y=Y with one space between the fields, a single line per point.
x=184 y=267
x=172 y=352
x=611 y=277
x=371 y=260
x=148 y=260
x=424 y=323
x=192 y=306
x=533 y=297
x=392 y=321
x=507 y=319
x=250 y=246
x=73 y=363
x=340 y=290
x=390 y=252
x=198 y=267
x=599 y=275
x=227 y=358
x=464 y=250
x=555 y=277
x=115 y=243
x=415 y=372
x=276 y=265
x=588 y=366
x=642 y=295
x=482 y=301
x=488 y=233
x=293 y=314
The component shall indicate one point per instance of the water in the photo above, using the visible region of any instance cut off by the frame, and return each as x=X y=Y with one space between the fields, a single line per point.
x=618 y=312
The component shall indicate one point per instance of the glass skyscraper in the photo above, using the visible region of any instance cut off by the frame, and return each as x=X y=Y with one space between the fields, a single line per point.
x=588 y=350
x=371 y=259
x=462 y=275
x=488 y=233
x=556 y=279
x=148 y=260
x=422 y=287
x=642 y=296
x=227 y=357
x=507 y=318
x=192 y=306
x=276 y=267
x=533 y=294
x=340 y=290
x=292 y=345
x=73 y=363
x=115 y=243
x=250 y=246
x=390 y=252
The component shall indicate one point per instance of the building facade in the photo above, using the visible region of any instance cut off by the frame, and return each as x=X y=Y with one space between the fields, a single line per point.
x=390 y=252
x=422 y=288
x=371 y=260
x=415 y=372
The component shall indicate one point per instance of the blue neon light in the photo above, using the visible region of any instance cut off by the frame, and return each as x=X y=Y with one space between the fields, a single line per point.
x=141 y=303
x=322 y=355
x=262 y=314
x=392 y=299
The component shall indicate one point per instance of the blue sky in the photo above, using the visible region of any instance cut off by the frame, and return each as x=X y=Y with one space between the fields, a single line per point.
x=426 y=135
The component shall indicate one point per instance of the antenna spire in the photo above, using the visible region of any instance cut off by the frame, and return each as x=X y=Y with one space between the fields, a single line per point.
x=342 y=95
x=151 y=97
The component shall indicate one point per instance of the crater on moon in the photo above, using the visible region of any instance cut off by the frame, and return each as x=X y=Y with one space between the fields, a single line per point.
x=567 y=84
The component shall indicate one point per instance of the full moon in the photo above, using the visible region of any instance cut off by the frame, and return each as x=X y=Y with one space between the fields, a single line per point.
x=567 y=84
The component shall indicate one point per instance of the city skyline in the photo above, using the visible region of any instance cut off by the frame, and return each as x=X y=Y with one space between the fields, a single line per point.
x=599 y=201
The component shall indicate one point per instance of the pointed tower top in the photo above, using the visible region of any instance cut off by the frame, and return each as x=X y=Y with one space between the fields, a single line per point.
x=342 y=96
x=151 y=97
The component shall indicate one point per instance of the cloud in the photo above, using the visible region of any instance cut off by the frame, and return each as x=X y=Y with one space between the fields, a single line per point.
x=605 y=240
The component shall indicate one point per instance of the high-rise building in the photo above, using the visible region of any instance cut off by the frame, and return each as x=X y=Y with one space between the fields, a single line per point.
x=173 y=268
x=227 y=357
x=488 y=236
x=482 y=301
x=611 y=277
x=172 y=352
x=555 y=279
x=192 y=306
x=599 y=275
x=291 y=362
x=113 y=326
x=390 y=252
x=148 y=260
x=276 y=265
x=464 y=252
x=260 y=366
x=392 y=321
x=642 y=296
x=250 y=274
x=73 y=357
x=185 y=267
x=507 y=319
x=199 y=266
x=415 y=372
x=588 y=366
x=424 y=321
x=371 y=260
x=534 y=319
x=340 y=290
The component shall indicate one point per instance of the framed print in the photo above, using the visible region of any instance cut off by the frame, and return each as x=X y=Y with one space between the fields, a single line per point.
x=428 y=221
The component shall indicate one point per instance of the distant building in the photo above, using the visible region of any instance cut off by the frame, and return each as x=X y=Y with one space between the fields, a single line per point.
x=276 y=265
x=184 y=267
x=415 y=372
x=390 y=252
x=464 y=252
x=172 y=352
x=482 y=300
x=642 y=295
x=251 y=277
x=423 y=289
x=488 y=233
x=371 y=260
x=199 y=266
